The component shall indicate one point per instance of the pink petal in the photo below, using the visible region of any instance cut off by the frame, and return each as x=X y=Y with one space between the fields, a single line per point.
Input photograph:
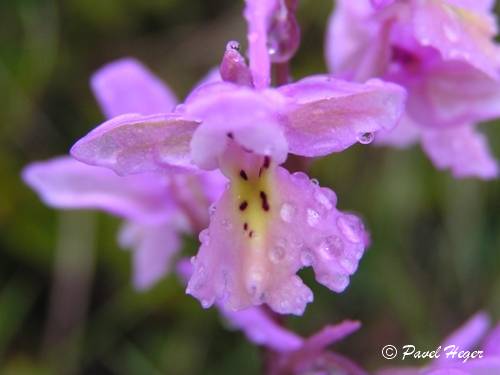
x=463 y=150
x=331 y=334
x=451 y=93
x=258 y=14
x=478 y=5
x=261 y=329
x=69 y=184
x=468 y=335
x=356 y=42
x=405 y=134
x=491 y=344
x=132 y=144
x=328 y=115
x=153 y=247
x=251 y=252
x=458 y=34
x=127 y=86
x=238 y=113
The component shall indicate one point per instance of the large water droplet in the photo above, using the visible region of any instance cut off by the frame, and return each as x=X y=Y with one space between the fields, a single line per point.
x=287 y=212
x=312 y=217
x=351 y=227
x=366 y=138
x=283 y=37
x=233 y=44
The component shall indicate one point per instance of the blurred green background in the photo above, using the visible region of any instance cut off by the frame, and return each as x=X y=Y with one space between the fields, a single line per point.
x=66 y=303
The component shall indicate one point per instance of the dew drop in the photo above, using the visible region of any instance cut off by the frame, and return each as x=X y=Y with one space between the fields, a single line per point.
x=204 y=236
x=287 y=212
x=306 y=258
x=205 y=303
x=351 y=227
x=315 y=181
x=277 y=254
x=312 y=217
x=366 y=138
x=193 y=260
x=332 y=247
x=233 y=45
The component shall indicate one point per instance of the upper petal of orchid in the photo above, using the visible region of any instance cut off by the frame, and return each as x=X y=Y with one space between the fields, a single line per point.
x=127 y=86
x=267 y=226
x=131 y=144
x=67 y=183
x=463 y=150
x=154 y=247
x=258 y=14
x=235 y=113
x=458 y=33
x=327 y=115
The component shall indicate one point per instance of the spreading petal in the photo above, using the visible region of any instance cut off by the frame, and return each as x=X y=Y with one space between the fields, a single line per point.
x=261 y=329
x=235 y=113
x=327 y=115
x=153 y=248
x=458 y=33
x=127 y=86
x=406 y=133
x=132 y=144
x=463 y=150
x=69 y=184
x=492 y=342
x=267 y=226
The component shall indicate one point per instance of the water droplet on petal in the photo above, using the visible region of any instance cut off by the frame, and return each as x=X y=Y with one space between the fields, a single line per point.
x=212 y=209
x=312 y=217
x=315 y=181
x=332 y=247
x=204 y=236
x=351 y=227
x=205 y=303
x=193 y=260
x=301 y=177
x=277 y=254
x=306 y=258
x=233 y=44
x=366 y=138
x=287 y=212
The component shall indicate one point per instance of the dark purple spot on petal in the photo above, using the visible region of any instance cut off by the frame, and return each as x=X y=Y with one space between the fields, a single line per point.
x=243 y=175
x=243 y=205
x=245 y=226
x=230 y=135
x=267 y=162
x=250 y=234
x=265 y=203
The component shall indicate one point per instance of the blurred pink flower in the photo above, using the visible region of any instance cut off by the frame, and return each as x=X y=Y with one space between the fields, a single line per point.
x=157 y=207
x=443 y=52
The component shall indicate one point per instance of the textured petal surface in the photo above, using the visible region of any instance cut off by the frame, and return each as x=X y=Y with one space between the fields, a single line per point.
x=328 y=115
x=132 y=144
x=462 y=150
x=238 y=113
x=153 y=248
x=458 y=33
x=267 y=226
x=127 y=86
x=67 y=183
